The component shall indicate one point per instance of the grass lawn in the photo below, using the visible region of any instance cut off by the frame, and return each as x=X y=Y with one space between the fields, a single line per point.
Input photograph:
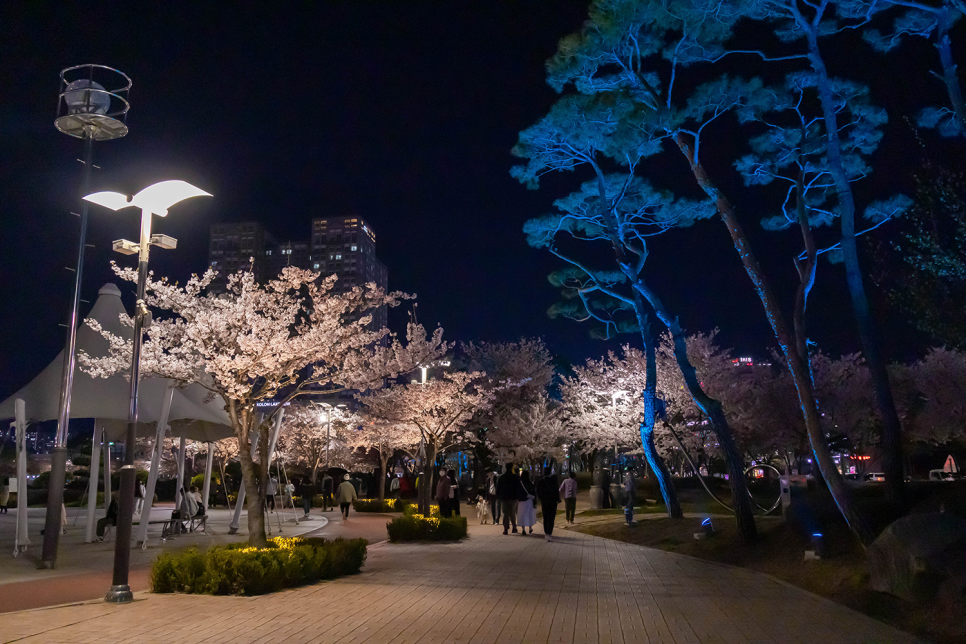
x=842 y=577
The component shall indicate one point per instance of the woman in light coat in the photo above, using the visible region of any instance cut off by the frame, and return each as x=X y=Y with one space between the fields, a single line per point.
x=347 y=494
x=526 y=514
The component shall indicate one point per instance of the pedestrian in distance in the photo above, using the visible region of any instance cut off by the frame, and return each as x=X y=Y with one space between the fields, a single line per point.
x=491 y=497
x=327 y=485
x=139 y=492
x=630 y=496
x=568 y=489
x=549 y=494
x=306 y=490
x=454 y=493
x=444 y=491
x=271 y=488
x=347 y=494
x=508 y=492
x=4 y=494
x=526 y=513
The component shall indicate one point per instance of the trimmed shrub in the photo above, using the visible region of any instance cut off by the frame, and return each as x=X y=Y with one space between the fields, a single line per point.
x=416 y=527
x=410 y=510
x=239 y=569
x=373 y=505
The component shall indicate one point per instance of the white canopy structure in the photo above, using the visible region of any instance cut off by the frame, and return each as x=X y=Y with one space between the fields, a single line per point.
x=188 y=412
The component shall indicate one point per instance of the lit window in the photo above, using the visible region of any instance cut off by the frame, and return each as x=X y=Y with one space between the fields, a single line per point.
x=354 y=248
x=315 y=266
x=338 y=256
x=268 y=252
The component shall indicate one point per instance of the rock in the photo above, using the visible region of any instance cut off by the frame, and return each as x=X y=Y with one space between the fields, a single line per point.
x=918 y=554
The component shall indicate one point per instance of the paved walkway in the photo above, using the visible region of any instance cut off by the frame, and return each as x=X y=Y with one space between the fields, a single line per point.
x=489 y=588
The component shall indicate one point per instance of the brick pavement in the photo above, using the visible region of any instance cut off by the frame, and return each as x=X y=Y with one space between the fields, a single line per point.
x=490 y=588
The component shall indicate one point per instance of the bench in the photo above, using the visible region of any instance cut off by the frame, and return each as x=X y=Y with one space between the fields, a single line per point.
x=173 y=527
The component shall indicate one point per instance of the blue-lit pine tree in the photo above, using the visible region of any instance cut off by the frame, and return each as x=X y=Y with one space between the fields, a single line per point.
x=616 y=210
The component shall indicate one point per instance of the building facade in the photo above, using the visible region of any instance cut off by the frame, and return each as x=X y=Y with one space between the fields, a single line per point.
x=344 y=246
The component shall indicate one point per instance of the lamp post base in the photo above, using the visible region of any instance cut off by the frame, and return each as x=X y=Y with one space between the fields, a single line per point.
x=119 y=594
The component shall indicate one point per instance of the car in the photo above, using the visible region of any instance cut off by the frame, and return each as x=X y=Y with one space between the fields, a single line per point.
x=874 y=477
x=853 y=477
x=941 y=475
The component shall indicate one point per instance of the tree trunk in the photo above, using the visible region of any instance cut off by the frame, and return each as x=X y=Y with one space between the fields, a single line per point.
x=649 y=394
x=744 y=515
x=383 y=459
x=797 y=364
x=891 y=442
x=426 y=487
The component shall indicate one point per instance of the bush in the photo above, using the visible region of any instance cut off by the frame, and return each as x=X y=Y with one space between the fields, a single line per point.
x=239 y=569
x=410 y=510
x=387 y=505
x=416 y=527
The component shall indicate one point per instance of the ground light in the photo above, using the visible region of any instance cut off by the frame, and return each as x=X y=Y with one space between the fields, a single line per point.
x=153 y=200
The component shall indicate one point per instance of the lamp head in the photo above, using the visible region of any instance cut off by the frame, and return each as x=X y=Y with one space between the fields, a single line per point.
x=155 y=199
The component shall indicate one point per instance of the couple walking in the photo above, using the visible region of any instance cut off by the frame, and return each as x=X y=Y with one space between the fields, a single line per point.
x=516 y=494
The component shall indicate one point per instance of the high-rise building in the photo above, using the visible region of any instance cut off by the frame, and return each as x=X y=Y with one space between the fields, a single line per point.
x=345 y=246
x=290 y=253
x=234 y=247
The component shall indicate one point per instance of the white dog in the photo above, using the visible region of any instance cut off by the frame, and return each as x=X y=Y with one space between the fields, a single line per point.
x=482 y=509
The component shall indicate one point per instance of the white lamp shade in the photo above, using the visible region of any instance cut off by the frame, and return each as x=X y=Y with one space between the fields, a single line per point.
x=161 y=196
x=155 y=199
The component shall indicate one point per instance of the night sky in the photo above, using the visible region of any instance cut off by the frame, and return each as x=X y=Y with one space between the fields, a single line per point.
x=402 y=113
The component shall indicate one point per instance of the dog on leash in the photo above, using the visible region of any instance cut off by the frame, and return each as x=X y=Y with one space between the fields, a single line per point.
x=482 y=509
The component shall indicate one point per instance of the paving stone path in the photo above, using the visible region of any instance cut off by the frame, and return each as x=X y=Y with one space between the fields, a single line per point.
x=489 y=588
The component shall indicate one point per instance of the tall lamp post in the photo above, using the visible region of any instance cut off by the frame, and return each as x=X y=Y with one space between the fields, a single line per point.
x=328 y=427
x=153 y=200
x=88 y=111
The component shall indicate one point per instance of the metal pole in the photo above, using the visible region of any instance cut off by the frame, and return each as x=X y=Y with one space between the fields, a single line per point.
x=92 y=493
x=120 y=591
x=207 y=486
x=328 y=426
x=155 y=465
x=58 y=463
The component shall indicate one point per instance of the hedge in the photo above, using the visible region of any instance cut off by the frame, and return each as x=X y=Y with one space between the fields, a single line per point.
x=387 y=505
x=239 y=569
x=416 y=527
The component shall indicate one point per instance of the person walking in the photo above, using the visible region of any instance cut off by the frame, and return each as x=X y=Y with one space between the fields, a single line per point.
x=526 y=514
x=568 y=489
x=347 y=494
x=491 y=497
x=549 y=494
x=454 y=493
x=271 y=488
x=394 y=487
x=4 y=494
x=630 y=496
x=508 y=491
x=327 y=485
x=305 y=489
x=444 y=491
x=139 y=492
x=289 y=493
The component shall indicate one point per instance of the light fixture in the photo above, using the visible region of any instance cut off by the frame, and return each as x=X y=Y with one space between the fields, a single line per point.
x=153 y=200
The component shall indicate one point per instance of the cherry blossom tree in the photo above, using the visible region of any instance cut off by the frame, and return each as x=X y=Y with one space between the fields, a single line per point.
x=939 y=380
x=439 y=410
x=386 y=438
x=278 y=341
x=604 y=410
x=526 y=362
x=528 y=434
x=307 y=430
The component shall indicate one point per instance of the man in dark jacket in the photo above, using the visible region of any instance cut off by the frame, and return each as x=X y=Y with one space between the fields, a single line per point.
x=549 y=494
x=327 y=493
x=508 y=492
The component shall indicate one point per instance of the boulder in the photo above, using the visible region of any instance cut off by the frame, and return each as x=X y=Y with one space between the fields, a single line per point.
x=919 y=554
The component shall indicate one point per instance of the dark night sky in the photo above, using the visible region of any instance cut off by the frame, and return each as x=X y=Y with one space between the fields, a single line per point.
x=403 y=113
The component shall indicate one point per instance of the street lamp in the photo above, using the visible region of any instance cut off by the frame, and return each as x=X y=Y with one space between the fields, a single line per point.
x=328 y=427
x=88 y=111
x=153 y=200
